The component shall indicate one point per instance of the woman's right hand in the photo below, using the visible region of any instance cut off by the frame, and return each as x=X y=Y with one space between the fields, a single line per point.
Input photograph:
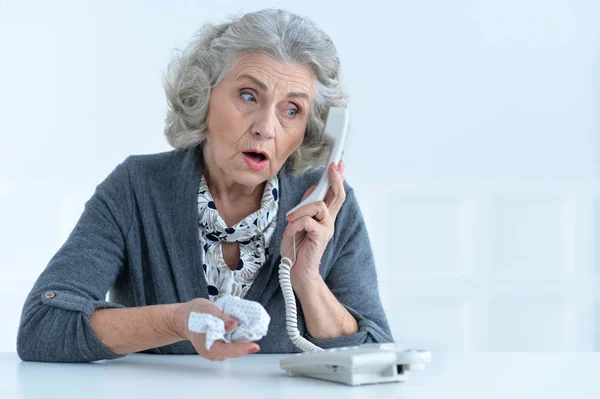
x=219 y=350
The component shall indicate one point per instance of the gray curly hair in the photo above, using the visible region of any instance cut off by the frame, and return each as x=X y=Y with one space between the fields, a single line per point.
x=287 y=37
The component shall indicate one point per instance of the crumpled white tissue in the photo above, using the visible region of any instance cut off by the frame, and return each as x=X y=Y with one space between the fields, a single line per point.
x=253 y=321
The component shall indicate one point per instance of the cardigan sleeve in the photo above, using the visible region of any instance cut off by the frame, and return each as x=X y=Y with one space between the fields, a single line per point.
x=54 y=325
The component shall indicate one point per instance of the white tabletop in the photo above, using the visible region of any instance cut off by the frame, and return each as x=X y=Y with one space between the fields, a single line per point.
x=450 y=375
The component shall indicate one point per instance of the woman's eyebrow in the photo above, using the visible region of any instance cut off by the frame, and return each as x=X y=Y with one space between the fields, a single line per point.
x=255 y=80
x=266 y=88
x=298 y=94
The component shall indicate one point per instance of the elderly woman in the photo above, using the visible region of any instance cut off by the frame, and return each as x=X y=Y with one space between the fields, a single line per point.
x=168 y=234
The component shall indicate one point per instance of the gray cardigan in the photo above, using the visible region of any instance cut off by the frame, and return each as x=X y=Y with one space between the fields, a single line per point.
x=138 y=240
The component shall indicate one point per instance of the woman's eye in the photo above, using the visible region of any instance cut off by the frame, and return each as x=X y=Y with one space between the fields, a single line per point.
x=291 y=112
x=248 y=97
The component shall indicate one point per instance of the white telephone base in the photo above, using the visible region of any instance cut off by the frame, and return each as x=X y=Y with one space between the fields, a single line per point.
x=357 y=365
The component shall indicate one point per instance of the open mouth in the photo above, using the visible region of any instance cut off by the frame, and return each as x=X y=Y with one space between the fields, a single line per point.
x=255 y=156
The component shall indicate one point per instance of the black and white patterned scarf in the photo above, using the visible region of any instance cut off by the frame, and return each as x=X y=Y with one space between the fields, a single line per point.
x=253 y=233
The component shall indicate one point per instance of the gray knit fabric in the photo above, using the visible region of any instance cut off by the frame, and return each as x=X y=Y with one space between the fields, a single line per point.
x=138 y=239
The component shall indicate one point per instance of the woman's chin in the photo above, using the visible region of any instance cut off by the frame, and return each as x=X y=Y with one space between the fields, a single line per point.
x=252 y=177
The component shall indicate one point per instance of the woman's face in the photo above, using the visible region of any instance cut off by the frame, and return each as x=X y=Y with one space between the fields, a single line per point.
x=260 y=105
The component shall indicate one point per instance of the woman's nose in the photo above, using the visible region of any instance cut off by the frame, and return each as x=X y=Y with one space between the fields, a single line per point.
x=264 y=125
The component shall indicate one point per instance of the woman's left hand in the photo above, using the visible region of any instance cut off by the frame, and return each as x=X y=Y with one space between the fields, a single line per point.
x=313 y=225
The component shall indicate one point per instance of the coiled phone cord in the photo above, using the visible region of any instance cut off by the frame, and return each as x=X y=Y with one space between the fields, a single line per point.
x=291 y=316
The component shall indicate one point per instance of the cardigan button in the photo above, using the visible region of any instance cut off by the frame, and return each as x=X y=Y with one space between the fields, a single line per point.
x=49 y=295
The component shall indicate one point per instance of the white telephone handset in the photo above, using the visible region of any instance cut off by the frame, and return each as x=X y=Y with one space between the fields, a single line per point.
x=364 y=364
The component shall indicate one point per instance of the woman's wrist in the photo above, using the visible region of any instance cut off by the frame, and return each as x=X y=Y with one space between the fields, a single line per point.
x=178 y=322
x=305 y=281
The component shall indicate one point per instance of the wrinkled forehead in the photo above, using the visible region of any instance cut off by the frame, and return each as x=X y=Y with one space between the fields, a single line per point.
x=271 y=75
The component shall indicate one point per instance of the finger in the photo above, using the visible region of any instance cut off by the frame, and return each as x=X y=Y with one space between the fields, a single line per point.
x=317 y=210
x=220 y=350
x=333 y=178
x=232 y=350
x=230 y=325
x=336 y=194
x=230 y=322
x=306 y=194
x=309 y=225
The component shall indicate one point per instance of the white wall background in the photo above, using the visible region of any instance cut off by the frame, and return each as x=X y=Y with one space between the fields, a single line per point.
x=474 y=149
